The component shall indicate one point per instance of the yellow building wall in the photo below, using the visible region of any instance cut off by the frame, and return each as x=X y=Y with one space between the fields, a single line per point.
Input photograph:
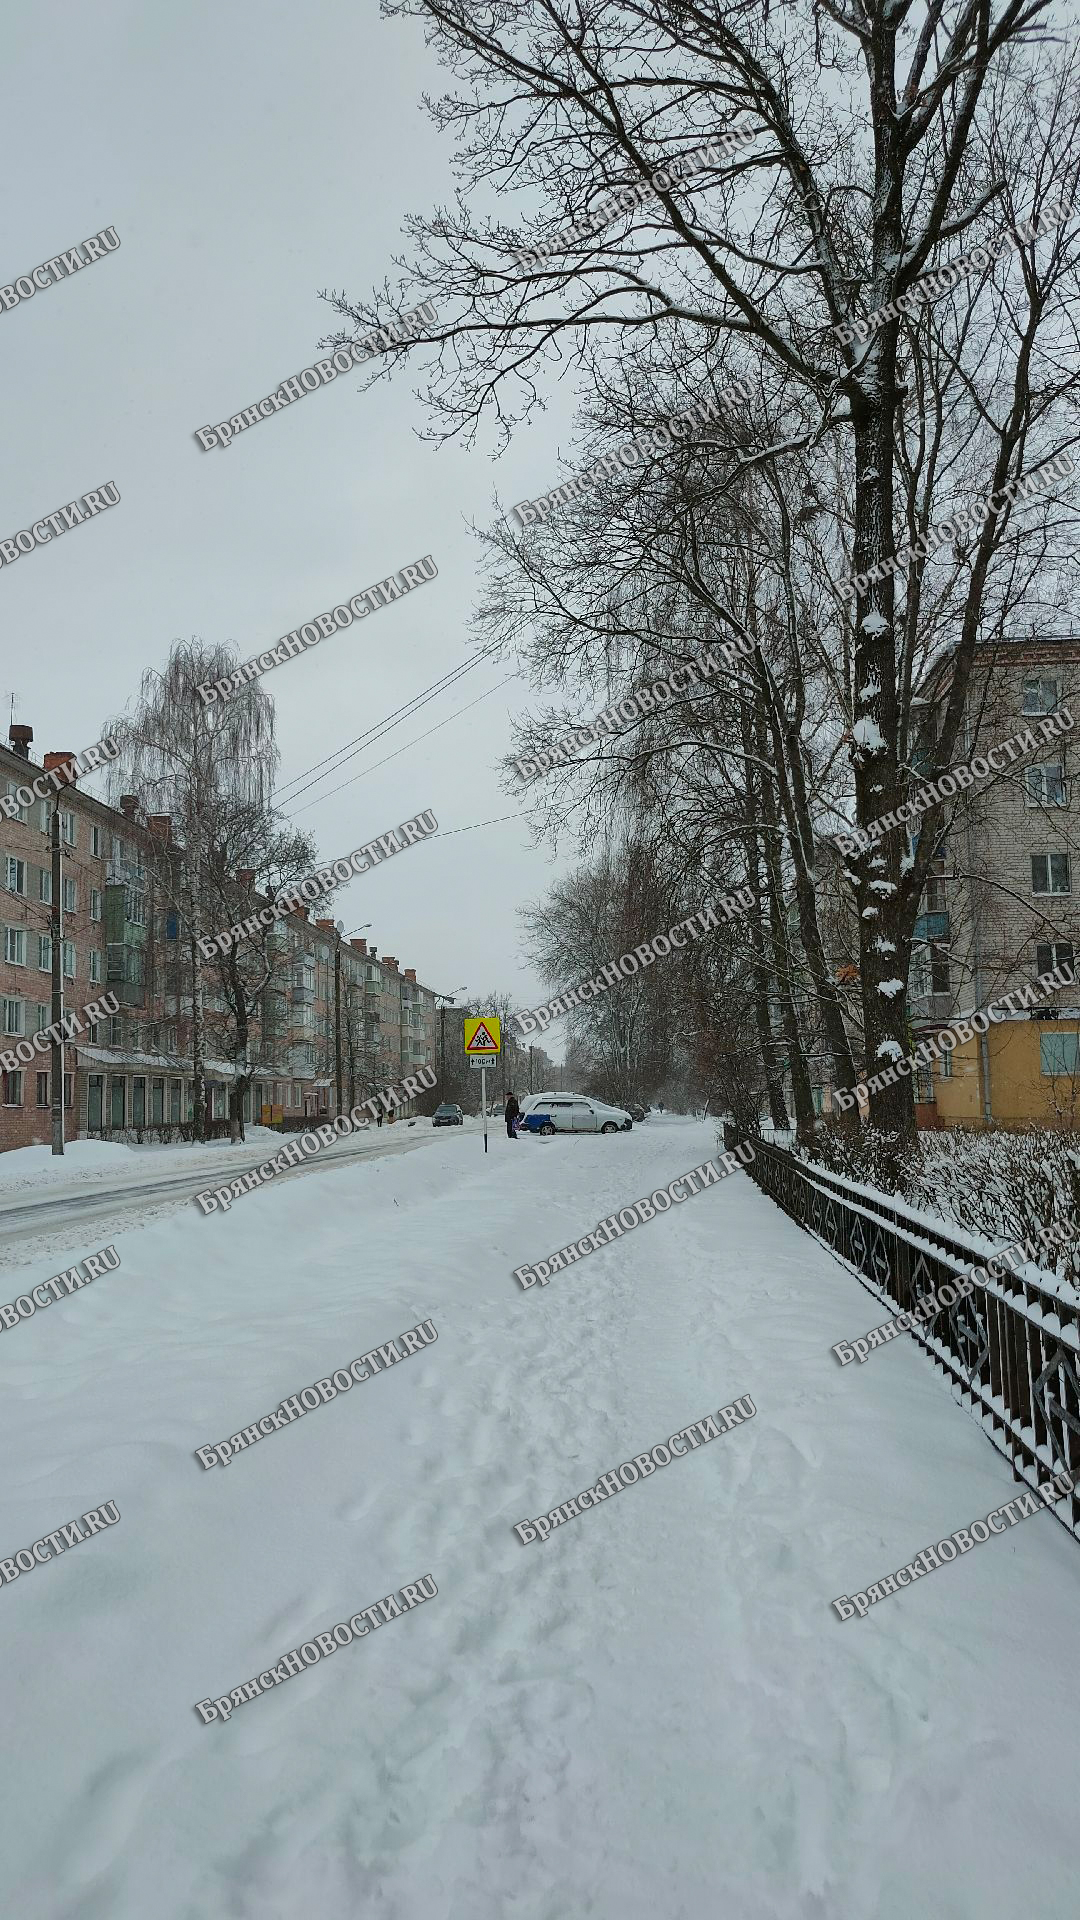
x=1021 y=1094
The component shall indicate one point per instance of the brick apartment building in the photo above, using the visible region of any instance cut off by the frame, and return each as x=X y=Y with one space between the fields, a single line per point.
x=999 y=907
x=133 y=1070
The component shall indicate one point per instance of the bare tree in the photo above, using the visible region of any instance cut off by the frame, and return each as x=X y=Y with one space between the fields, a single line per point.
x=194 y=765
x=754 y=268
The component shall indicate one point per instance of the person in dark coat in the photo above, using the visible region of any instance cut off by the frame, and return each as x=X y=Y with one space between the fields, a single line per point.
x=511 y=1114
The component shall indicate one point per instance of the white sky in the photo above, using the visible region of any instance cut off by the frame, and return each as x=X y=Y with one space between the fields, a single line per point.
x=247 y=157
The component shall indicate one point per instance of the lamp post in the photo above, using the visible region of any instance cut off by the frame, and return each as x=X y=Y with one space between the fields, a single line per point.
x=448 y=1000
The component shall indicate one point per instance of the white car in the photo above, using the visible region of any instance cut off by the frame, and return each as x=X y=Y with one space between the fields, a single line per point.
x=572 y=1113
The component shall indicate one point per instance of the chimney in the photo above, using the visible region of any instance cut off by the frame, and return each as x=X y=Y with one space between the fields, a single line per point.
x=67 y=762
x=20 y=738
x=161 y=827
x=371 y=954
x=326 y=926
x=245 y=876
x=360 y=945
x=390 y=961
x=129 y=802
x=410 y=974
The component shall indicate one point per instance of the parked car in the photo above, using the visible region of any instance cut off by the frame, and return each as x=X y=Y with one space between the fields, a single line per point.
x=573 y=1113
x=447 y=1115
x=636 y=1113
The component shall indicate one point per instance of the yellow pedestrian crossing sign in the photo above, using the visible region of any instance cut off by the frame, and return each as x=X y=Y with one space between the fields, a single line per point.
x=482 y=1037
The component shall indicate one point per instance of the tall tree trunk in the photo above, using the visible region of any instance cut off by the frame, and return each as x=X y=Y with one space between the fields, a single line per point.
x=198 y=1079
x=770 y=1058
x=801 y=1092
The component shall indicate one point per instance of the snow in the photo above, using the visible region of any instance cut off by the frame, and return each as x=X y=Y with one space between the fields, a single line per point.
x=867 y=734
x=656 y=1713
x=84 y=1160
x=889 y=989
x=875 y=623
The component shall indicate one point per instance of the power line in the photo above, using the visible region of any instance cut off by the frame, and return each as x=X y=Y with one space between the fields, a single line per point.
x=342 y=754
x=475 y=824
x=404 y=749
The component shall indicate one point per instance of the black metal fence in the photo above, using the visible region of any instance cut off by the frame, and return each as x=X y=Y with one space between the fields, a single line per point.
x=1011 y=1348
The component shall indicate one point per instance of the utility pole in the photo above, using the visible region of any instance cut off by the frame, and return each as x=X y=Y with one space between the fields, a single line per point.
x=337 y=1019
x=57 y=927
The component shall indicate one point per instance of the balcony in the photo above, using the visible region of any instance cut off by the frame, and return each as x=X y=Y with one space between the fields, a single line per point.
x=302 y=996
x=931 y=926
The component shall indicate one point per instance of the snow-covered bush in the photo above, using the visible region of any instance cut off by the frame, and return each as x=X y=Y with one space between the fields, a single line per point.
x=1002 y=1184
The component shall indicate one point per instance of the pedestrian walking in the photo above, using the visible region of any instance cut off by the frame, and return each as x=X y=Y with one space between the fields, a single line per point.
x=511 y=1114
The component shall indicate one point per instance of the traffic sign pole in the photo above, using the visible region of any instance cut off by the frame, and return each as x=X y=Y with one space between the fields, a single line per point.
x=483 y=1045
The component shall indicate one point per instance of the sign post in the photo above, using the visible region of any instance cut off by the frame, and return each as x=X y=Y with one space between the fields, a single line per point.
x=483 y=1044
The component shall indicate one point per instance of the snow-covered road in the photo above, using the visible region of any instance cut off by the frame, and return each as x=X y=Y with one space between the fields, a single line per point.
x=653 y=1716
x=52 y=1210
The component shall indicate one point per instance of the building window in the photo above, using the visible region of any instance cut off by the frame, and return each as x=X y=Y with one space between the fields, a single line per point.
x=115 y=1030
x=22 y=814
x=42 y=1017
x=134 y=907
x=69 y=1091
x=945 y=1066
x=934 y=900
x=44 y=815
x=95 y=967
x=95 y=904
x=13 y=1088
x=15 y=946
x=1058 y=1052
x=69 y=959
x=940 y=970
x=43 y=1089
x=71 y=897
x=14 y=1021
x=44 y=885
x=1040 y=693
x=1051 y=954
x=1050 y=873
x=95 y=842
x=16 y=875
x=1045 y=784
x=44 y=953
x=67 y=828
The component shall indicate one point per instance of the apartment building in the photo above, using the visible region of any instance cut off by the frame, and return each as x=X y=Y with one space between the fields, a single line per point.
x=1000 y=906
x=327 y=998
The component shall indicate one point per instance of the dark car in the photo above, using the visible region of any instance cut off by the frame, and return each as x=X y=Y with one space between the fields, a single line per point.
x=637 y=1114
x=447 y=1116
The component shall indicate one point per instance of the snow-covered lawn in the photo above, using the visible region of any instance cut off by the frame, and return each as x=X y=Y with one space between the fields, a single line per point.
x=90 y=1160
x=654 y=1716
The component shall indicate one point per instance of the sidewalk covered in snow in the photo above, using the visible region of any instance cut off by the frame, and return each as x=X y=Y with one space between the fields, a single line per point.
x=652 y=1715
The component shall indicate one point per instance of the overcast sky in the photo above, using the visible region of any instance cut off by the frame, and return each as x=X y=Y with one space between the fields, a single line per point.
x=247 y=156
